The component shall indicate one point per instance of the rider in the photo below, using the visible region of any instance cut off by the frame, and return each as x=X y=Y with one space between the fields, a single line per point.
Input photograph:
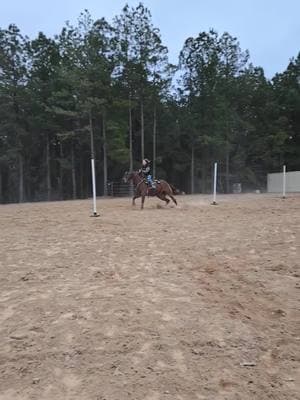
x=146 y=170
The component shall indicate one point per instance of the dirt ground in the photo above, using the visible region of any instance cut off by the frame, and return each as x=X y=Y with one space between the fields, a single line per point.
x=188 y=303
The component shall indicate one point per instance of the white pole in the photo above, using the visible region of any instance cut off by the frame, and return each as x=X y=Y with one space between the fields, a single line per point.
x=215 y=184
x=283 y=182
x=94 y=188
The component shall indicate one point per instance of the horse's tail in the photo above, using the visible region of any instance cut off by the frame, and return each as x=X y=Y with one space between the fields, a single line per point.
x=173 y=191
x=173 y=188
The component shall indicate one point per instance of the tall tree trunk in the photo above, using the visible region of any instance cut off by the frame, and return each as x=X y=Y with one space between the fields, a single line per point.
x=203 y=175
x=193 y=170
x=21 y=178
x=227 y=168
x=92 y=150
x=130 y=145
x=61 y=156
x=74 y=194
x=1 y=191
x=130 y=136
x=81 y=176
x=154 y=141
x=142 y=131
x=48 y=168
x=104 y=154
x=281 y=159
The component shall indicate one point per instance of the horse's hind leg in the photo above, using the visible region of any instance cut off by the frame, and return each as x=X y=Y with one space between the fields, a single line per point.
x=173 y=198
x=163 y=197
x=143 y=201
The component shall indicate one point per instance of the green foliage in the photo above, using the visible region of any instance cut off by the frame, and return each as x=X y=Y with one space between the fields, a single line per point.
x=92 y=76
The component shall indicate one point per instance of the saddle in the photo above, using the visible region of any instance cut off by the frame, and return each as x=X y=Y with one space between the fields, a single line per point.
x=151 y=191
x=156 y=182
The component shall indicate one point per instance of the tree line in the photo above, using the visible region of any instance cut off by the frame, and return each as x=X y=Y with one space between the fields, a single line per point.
x=113 y=81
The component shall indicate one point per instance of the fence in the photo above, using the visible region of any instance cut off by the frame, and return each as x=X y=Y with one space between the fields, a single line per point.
x=259 y=181
x=119 y=189
x=284 y=182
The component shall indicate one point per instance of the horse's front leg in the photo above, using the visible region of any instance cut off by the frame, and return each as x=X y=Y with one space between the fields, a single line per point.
x=133 y=199
x=143 y=201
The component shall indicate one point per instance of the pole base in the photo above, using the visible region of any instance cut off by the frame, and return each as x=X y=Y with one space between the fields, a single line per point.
x=95 y=215
x=214 y=203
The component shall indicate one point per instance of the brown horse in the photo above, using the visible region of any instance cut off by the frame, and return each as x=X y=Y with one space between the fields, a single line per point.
x=142 y=188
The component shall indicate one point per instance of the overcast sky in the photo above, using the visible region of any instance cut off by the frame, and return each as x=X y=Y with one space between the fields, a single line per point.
x=269 y=29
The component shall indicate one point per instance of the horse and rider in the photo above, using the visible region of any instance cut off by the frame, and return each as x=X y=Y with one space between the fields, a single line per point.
x=146 y=186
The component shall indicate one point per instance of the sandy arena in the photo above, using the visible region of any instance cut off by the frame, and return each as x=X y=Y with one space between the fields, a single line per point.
x=197 y=302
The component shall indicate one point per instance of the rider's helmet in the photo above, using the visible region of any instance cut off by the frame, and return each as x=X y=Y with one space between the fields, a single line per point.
x=145 y=162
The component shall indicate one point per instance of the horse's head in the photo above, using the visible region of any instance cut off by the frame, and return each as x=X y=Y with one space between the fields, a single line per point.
x=127 y=176
x=131 y=175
